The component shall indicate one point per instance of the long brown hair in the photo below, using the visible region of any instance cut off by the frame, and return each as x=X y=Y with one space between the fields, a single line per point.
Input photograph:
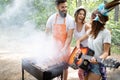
x=97 y=26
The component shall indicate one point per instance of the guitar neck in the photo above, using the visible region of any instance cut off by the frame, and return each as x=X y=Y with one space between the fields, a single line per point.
x=89 y=57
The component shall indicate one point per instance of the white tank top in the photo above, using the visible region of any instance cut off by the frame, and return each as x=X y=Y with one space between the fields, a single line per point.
x=77 y=35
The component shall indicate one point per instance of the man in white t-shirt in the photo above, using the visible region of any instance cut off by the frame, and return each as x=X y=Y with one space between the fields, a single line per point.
x=61 y=25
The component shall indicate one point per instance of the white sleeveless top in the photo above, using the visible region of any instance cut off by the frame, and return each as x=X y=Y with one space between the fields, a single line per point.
x=77 y=35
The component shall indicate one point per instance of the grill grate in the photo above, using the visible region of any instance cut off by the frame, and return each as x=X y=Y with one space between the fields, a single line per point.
x=42 y=74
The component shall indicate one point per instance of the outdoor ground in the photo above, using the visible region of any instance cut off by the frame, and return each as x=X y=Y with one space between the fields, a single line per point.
x=10 y=68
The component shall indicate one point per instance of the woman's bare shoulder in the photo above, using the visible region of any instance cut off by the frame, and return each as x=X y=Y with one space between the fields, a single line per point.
x=87 y=26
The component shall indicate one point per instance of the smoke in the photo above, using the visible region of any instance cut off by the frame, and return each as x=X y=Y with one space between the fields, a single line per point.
x=18 y=34
x=14 y=24
x=16 y=13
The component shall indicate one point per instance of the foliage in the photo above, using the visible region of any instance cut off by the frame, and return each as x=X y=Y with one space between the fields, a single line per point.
x=115 y=49
x=111 y=24
x=115 y=30
x=3 y=3
x=44 y=8
x=73 y=43
x=43 y=12
x=72 y=7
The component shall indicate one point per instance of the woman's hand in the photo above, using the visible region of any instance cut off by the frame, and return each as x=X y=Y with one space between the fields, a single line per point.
x=93 y=60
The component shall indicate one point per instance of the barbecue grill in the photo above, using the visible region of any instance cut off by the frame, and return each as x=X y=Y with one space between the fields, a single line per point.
x=40 y=73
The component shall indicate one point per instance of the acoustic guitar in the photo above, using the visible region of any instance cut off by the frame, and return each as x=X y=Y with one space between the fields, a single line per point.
x=81 y=60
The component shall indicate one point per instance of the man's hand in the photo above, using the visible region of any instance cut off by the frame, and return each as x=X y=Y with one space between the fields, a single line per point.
x=78 y=52
x=63 y=51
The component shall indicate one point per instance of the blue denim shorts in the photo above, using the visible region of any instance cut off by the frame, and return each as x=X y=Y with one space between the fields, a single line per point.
x=95 y=68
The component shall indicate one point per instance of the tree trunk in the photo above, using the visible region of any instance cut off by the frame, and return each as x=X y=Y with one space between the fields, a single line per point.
x=79 y=3
x=116 y=15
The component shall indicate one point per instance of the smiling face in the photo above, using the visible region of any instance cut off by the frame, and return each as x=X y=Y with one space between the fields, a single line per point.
x=80 y=15
x=62 y=8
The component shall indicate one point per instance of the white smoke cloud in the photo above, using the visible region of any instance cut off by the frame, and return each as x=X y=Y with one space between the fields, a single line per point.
x=19 y=35
x=16 y=13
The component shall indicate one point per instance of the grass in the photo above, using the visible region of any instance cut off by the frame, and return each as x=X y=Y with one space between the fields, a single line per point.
x=115 y=49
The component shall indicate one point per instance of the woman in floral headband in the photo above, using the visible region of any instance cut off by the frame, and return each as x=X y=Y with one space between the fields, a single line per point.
x=99 y=40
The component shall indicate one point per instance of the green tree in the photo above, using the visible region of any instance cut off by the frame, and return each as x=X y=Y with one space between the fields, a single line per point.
x=3 y=4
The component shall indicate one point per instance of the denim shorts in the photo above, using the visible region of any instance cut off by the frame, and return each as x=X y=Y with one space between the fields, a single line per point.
x=95 y=68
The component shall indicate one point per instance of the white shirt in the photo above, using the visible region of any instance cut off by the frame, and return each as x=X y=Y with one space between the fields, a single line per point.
x=104 y=36
x=60 y=20
x=78 y=34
